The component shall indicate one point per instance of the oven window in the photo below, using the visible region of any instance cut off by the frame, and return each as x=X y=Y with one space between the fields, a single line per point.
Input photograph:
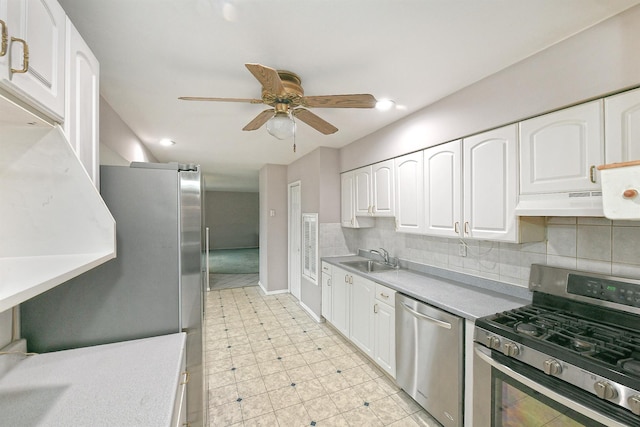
x=516 y=405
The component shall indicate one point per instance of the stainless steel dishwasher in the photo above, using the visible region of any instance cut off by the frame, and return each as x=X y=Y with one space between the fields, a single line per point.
x=429 y=358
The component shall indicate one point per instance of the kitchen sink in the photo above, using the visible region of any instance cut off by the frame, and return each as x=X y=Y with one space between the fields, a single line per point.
x=368 y=266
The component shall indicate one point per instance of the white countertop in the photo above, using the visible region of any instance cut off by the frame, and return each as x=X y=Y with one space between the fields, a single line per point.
x=464 y=300
x=131 y=383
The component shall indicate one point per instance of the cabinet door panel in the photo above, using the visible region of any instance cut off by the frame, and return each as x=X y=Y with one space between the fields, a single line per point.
x=42 y=24
x=362 y=180
x=346 y=200
x=383 y=184
x=442 y=171
x=409 y=193
x=362 y=316
x=558 y=151
x=340 y=300
x=385 y=341
x=622 y=127
x=490 y=184
x=327 y=297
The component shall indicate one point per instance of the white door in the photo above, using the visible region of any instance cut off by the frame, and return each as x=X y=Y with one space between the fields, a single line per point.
x=559 y=152
x=383 y=189
x=385 y=337
x=490 y=185
x=295 y=240
x=326 y=296
x=409 y=193
x=340 y=299
x=622 y=127
x=442 y=189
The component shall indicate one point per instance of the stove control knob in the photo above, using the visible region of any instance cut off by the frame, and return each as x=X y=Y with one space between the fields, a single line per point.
x=511 y=349
x=493 y=342
x=634 y=403
x=604 y=390
x=552 y=367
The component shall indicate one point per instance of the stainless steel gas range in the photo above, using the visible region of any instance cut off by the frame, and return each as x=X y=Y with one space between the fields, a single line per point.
x=571 y=358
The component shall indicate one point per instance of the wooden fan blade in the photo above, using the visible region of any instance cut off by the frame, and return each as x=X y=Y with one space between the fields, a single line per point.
x=340 y=101
x=204 y=98
x=268 y=78
x=314 y=121
x=259 y=120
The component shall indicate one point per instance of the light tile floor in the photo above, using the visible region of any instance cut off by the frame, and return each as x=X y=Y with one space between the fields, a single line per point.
x=270 y=364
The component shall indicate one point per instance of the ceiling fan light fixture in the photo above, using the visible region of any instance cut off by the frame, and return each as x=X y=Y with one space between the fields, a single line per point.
x=281 y=126
x=166 y=142
x=385 y=104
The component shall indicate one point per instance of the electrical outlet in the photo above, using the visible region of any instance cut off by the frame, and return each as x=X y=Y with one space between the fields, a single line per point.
x=462 y=249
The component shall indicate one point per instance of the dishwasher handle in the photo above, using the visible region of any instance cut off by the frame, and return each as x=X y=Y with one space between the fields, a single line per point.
x=440 y=323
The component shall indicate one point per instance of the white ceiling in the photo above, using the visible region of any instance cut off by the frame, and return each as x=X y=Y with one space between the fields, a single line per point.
x=413 y=51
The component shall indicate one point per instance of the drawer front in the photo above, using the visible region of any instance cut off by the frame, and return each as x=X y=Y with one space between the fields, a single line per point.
x=385 y=295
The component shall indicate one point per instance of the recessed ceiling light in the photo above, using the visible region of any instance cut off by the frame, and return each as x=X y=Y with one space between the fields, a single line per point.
x=385 y=104
x=166 y=142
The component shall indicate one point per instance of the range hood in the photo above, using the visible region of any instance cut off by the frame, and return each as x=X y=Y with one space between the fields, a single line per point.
x=579 y=203
x=54 y=224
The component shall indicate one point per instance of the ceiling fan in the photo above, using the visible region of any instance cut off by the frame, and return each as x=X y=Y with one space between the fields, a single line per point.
x=282 y=91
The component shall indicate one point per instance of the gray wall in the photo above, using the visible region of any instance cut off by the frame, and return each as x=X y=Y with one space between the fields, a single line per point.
x=320 y=193
x=233 y=219
x=595 y=62
x=273 y=229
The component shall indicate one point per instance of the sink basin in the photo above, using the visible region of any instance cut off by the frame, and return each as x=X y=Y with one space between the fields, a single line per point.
x=368 y=266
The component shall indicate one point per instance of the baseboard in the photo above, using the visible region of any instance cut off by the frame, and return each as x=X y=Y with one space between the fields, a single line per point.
x=313 y=315
x=279 y=291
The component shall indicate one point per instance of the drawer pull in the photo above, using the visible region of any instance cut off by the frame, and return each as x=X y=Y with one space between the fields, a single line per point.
x=25 y=56
x=187 y=377
x=383 y=295
x=375 y=308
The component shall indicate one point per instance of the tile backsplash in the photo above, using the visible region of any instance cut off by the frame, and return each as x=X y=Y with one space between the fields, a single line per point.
x=590 y=244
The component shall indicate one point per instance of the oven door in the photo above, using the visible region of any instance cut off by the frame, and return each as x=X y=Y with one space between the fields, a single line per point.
x=508 y=393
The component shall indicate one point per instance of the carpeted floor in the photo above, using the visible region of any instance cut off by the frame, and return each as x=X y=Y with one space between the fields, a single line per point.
x=234 y=261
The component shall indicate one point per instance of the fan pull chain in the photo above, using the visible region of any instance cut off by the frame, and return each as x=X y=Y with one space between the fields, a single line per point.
x=294 y=132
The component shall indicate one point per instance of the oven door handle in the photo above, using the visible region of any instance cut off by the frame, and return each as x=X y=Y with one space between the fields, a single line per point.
x=485 y=355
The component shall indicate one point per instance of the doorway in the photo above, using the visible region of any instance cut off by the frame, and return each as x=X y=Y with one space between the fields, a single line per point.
x=295 y=227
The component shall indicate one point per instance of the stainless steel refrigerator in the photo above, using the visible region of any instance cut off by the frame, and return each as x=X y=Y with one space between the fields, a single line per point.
x=155 y=284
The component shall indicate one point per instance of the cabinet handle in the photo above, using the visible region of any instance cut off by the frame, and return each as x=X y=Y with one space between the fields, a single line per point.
x=466 y=227
x=375 y=308
x=187 y=377
x=592 y=174
x=5 y=38
x=329 y=282
x=456 y=226
x=351 y=280
x=630 y=193
x=373 y=209
x=383 y=295
x=346 y=278
x=25 y=56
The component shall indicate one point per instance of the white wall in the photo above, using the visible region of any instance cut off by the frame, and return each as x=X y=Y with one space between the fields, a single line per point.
x=122 y=144
x=233 y=219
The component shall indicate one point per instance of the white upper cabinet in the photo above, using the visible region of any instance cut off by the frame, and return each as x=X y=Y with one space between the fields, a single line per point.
x=490 y=186
x=82 y=102
x=362 y=191
x=559 y=151
x=34 y=66
x=409 y=175
x=374 y=190
x=349 y=196
x=442 y=189
x=622 y=127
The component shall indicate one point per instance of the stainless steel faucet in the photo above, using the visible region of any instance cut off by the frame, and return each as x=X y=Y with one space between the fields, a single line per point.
x=383 y=253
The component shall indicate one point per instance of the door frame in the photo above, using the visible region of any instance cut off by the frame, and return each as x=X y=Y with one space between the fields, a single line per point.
x=294 y=260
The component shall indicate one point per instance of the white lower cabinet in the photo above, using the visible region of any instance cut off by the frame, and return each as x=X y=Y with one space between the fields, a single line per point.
x=362 y=319
x=327 y=292
x=384 y=326
x=340 y=299
x=364 y=312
